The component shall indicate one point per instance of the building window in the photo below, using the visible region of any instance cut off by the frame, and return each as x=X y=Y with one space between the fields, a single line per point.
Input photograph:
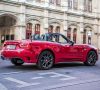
x=28 y=30
x=74 y=34
x=7 y=37
x=12 y=37
x=88 y=5
x=58 y=2
x=75 y=4
x=72 y=4
x=37 y=29
x=38 y=0
x=57 y=29
x=85 y=5
x=51 y=1
x=69 y=33
x=50 y=30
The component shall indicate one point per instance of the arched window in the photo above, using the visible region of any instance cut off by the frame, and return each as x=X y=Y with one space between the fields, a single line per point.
x=84 y=36
x=50 y=30
x=57 y=29
x=69 y=33
x=28 y=30
x=37 y=28
x=74 y=34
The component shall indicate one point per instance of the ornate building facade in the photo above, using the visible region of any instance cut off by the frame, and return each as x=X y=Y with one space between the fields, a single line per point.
x=79 y=20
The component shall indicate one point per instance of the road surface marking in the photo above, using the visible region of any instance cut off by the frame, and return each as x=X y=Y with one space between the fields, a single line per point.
x=37 y=77
x=22 y=83
x=64 y=77
x=58 y=75
x=46 y=73
x=68 y=78
x=55 y=75
x=80 y=82
x=2 y=87
x=11 y=73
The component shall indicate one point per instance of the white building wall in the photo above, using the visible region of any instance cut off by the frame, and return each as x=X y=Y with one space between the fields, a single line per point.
x=47 y=14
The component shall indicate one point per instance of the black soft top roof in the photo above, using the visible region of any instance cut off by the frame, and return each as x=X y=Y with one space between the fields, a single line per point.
x=47 y=36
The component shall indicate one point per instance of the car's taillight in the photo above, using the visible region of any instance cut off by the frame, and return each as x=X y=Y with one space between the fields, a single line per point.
x=26 y=46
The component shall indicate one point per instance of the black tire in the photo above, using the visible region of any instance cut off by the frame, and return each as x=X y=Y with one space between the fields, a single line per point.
x=91 y=58
x=17 y=62
x=45 y=60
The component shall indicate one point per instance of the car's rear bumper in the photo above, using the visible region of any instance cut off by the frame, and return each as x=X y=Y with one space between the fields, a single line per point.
x=25 y=55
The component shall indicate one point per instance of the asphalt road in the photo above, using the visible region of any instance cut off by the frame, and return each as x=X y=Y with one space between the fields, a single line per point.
x=69 y=76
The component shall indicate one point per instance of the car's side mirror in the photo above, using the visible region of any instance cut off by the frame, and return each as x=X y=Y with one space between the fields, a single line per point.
x=71 y=43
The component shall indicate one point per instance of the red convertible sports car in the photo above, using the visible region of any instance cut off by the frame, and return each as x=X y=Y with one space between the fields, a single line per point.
x=47 y=50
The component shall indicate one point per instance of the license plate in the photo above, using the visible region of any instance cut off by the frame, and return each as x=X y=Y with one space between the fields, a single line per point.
x=11 y=47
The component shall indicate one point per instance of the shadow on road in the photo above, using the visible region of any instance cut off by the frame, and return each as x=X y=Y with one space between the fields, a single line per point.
x=62 y=65
x=31 y=67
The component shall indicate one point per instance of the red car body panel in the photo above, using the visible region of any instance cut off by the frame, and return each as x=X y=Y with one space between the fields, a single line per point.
x=62 y=49
x=29 y=51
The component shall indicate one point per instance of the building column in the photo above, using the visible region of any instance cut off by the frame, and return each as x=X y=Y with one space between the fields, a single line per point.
x=98 y=41
x=20 y=31
x=45 y=21
x=98 y=36
x=80 y=33
x=65 y=28
x=65 y=24
x=64 y=4
x=95 y=33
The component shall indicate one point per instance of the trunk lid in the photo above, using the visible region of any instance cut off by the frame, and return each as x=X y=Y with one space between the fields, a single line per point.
x=15 y=44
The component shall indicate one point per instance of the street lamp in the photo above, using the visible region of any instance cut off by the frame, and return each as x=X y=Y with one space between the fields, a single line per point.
x=89 y=37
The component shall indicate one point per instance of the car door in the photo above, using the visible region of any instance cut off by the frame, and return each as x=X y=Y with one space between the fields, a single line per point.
x=71 y=52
